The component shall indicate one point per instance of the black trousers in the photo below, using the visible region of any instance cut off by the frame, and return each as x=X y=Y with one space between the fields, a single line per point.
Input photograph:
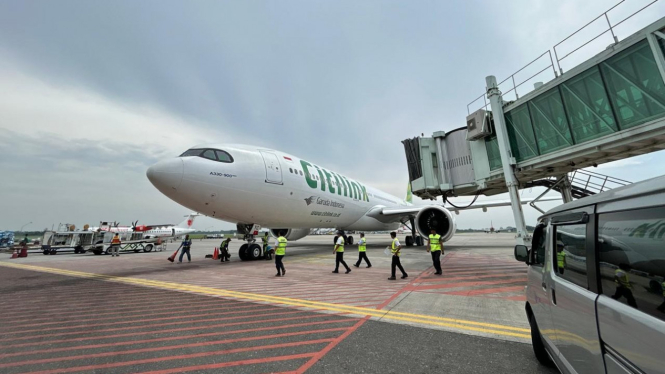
x=396 y=263
x=363 y=256
x=339 y=259
x=278 y=264
x=436 y=260
x=627 y=293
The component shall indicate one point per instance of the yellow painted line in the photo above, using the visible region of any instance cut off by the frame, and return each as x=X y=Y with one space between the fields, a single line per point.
x=490 y=328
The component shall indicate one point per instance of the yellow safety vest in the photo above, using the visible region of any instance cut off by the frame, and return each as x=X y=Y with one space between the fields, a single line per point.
x=560 y=256
x=621 y=278
x=362 y=245
x=341 y=246
x=281 y=246
x=435 y=242
x=394 y=248
x=264 y=240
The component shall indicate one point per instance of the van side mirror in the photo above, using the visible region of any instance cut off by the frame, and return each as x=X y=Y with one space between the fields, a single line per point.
x=522 y=253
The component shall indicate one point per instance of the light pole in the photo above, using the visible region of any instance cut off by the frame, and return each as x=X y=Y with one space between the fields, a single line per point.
x=21 y=229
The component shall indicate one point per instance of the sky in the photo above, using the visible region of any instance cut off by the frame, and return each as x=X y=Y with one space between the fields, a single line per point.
x=92 y=93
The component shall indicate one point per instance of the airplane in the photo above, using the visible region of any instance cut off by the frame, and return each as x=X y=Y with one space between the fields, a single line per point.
x=153 y=231
x=257 y=187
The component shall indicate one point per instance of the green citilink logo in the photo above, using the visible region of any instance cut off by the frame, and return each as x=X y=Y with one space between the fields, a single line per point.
x=341 y=186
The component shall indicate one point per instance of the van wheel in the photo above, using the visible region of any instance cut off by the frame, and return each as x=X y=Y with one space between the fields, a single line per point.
x=148 y=248
x=538 y=345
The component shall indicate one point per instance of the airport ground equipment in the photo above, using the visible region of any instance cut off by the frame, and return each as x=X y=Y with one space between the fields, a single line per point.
x=608 y=108
x=57 y=241
x=6 y=239
x=130 y=241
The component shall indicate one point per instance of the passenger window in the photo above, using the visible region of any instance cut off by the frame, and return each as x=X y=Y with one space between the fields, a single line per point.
x=291 y=170
x=209 y=154
x=223 y=156
x=300 y=172
x=538 y=246
x=631 y=247
x=570 y=255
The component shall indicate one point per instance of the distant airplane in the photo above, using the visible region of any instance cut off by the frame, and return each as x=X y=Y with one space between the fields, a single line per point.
x=257 y=187
x=153 y=231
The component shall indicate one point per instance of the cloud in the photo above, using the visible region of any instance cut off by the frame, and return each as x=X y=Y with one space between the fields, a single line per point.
x=93 y=92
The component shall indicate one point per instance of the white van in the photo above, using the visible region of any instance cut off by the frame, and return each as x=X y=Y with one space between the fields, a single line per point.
x=596 y=282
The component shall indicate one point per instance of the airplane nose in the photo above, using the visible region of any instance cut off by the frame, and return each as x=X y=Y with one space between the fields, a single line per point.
x=166 y=175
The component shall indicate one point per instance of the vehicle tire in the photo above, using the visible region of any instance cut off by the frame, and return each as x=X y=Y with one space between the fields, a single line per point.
x=148 y=248
x=349 y=240
x=409 y=241
x=254 y=252
x=53 y=252
x=46 y=251
x=242 y=253
x=538 y=345
x=98 y=252
x=78 y=249
x=137 y=250
x=419 y=241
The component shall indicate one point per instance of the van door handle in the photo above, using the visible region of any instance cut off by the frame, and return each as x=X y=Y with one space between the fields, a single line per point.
x=544 y=286
x=553 y=297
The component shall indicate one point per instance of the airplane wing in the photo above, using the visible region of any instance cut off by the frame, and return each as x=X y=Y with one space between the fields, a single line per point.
x=414 y=209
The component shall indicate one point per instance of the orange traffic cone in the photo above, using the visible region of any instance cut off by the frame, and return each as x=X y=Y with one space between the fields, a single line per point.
x=172 y=258
x=15 y=254
x=215 y=254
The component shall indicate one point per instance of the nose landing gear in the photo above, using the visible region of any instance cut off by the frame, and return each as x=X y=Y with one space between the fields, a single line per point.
x=249 y=251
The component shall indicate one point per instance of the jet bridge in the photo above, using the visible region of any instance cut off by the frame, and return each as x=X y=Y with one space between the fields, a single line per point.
x=608 y=108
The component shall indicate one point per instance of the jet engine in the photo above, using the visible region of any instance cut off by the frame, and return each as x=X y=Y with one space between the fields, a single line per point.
x=437 y=218
x=290 y=234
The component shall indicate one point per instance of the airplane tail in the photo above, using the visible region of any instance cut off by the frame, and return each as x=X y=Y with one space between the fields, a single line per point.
x=187 y=224
x=409 y=195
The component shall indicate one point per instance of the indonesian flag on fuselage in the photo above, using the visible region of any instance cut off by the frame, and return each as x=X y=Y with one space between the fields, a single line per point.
x=288 y=159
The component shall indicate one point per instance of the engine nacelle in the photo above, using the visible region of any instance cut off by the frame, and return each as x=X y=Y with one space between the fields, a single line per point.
x=290 y=234
x=437 y=218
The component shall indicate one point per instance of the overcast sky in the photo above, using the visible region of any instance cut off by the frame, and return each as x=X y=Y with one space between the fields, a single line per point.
x=92 y=93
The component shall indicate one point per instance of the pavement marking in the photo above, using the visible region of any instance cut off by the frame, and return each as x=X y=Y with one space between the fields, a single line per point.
x=489 y=328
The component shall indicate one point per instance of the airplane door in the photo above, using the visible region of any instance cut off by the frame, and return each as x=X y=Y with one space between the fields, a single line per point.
x=273 y=168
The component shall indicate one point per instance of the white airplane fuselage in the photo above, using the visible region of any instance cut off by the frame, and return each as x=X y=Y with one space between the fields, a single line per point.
x=272 y=189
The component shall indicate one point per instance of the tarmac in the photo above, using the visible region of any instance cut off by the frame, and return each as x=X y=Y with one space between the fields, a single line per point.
x=137 y=313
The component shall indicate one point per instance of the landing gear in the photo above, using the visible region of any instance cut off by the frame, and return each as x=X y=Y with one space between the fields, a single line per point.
x=249 y=251
x=414 y=238
x=349 y=240
x=419 y=241
x=409 y=241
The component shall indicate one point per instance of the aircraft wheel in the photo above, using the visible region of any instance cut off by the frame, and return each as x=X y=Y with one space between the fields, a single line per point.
x=148 y=248
x=409 y=241
x=242 y=253
x=254 y=252
x=349 y=239
x=419 y=241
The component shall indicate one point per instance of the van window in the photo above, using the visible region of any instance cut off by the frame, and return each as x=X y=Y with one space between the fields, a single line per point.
x=570 y=255
x=538 y=246
x=632 y=258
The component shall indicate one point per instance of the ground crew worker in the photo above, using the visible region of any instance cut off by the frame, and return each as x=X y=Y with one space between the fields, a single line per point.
x=224 y=250
x=560 y=257
x=115 y=245
x=362 y=251
x=266 y=251
x=434 y=247
x=339 y=254
x=185 y=245
x=395 y=249
x=624 y=288
x=280 y=251
x=662 y=306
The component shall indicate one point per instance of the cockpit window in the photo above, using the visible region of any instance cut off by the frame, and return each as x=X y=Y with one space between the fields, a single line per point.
x=223 y=156
x=210 y=154
x=192 y=152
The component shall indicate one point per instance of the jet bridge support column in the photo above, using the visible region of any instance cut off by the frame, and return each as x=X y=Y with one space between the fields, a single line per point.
x=496 y=101
x=566 y=188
